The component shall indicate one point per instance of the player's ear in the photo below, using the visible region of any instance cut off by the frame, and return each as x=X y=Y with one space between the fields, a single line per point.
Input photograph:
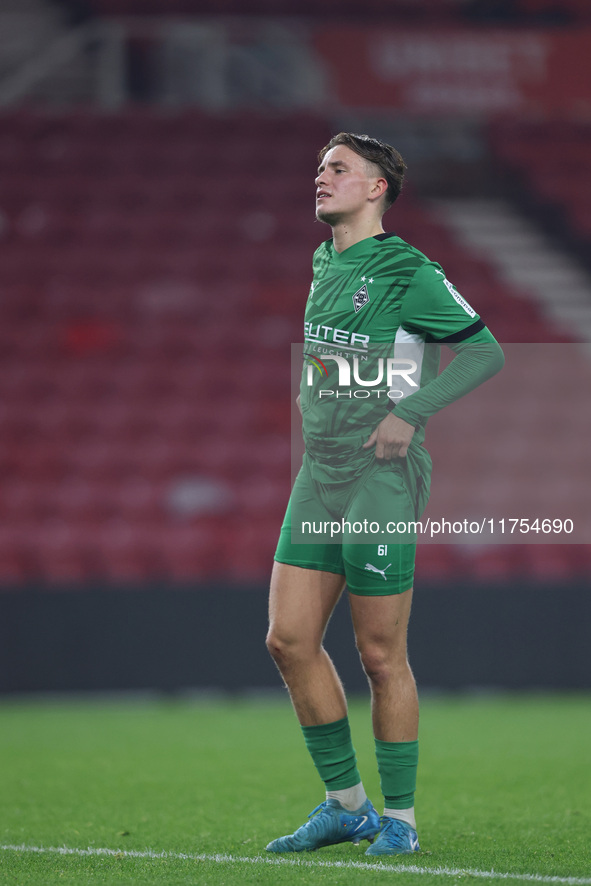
x=379 y=188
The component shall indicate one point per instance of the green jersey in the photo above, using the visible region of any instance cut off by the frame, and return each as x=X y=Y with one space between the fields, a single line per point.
x=375 y=316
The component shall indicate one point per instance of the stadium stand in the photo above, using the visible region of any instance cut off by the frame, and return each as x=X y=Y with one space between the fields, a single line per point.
x=153 y=268
x=553 y=159
x=527 y=10
x=315 y=8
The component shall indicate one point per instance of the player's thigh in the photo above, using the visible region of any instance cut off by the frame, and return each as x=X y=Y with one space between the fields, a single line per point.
x=381 y=624
x=379 y=562
x=310 y=550
x=301 y=602
x=305 y=538
x=308 y=573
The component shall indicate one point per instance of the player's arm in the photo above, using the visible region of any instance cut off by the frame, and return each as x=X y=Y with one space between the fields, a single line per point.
x=477 y=359
x=433 y=307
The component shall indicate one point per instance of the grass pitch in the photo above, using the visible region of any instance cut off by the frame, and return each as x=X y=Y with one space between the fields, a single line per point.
x=191 y=792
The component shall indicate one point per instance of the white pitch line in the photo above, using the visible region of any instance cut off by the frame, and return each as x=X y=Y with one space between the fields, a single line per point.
x=377 y=867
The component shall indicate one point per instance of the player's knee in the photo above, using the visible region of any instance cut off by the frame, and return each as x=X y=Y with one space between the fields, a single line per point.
x=274 y=645
x=284 y=650
x=376 y=666
x=379 y=664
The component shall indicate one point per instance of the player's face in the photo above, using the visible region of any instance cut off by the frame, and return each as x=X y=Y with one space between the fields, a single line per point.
x=343 y=186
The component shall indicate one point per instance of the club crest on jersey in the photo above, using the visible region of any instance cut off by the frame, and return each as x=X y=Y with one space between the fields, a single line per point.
x=360 y=298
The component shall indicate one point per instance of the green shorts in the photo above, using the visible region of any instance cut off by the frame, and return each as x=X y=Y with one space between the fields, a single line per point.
x=338 y=516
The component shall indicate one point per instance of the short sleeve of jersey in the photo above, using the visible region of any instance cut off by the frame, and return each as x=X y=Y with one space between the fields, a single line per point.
x=432 y=305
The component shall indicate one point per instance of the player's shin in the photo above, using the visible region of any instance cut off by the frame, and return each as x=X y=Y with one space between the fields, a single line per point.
x=397 y=765
x=332 y=751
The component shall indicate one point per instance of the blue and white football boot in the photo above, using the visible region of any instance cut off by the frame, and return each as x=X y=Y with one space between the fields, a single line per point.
x=328 y=824
x=395 y=838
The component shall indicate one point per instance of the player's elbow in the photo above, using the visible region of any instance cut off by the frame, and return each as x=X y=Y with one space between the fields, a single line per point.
x=491 y=358
x=497 y=359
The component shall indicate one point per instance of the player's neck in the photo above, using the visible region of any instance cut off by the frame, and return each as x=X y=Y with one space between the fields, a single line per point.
x=348 y=233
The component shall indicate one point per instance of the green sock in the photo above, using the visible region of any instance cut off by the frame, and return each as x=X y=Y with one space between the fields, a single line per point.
x=332 y=751
x=397 y=765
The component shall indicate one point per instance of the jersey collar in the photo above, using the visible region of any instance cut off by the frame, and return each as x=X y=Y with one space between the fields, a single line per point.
x=357 y=248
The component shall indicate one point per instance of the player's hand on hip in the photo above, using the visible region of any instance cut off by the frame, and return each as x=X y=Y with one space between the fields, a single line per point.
x=391 y=438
